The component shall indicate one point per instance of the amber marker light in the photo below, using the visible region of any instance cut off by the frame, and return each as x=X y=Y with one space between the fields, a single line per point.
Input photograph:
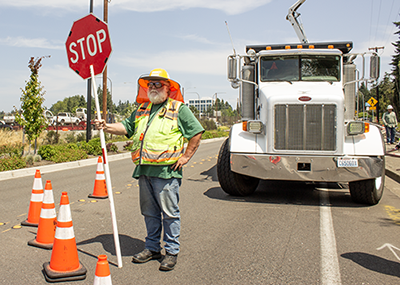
x=311 y=46
x=244 y=126
x=268 y=48
x=299 y=46
x=330 y=46
x=287 y=47
x=366 y=127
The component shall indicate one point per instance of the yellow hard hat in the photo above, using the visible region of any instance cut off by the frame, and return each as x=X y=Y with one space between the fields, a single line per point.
x=157 y=74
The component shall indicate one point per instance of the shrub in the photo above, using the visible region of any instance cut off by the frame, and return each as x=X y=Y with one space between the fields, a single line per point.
x=70 y=138
x=111 y=147
x=81 y=137
x=11 y=149
x=208 y=124
x=52 y=138
x=29 y=159
x=65 y=154
x=11 y=163
x=47 y=151
x=96 y=145
x=128 y=145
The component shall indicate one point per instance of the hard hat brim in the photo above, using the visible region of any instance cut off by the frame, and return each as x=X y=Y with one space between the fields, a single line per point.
x=175 y=88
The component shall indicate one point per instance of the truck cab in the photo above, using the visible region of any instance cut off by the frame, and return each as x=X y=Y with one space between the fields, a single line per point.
x=298 y=104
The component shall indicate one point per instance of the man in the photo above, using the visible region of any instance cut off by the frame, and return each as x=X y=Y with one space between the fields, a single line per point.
x=390 y=122
x=158 y=127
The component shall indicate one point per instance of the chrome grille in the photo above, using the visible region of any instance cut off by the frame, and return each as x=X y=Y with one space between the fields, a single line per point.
x=305 y=127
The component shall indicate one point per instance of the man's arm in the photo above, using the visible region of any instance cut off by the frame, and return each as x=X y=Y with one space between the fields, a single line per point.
x=191 y=148
x=115 y=128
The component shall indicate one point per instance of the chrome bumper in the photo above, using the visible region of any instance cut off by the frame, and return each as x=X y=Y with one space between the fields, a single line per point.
x=306 y=168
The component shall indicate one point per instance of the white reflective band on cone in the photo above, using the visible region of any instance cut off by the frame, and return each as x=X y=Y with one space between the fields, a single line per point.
x=48 y=197
x=36 y=197
x=102 y=280
x=37 y=184
x=65 y=233
x=48 y=213
x=100 y=167
x=64 y=214
x=100 y=177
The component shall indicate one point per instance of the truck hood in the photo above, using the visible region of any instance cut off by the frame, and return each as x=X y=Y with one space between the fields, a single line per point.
x=316 y=91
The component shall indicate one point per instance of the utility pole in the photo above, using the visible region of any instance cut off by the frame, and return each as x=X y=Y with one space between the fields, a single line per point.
x=105 y=17
x=377 y=86
x=89 y=98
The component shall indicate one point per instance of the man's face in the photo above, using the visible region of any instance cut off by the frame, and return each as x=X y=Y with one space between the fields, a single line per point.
x=158 y=91
x=390 y=110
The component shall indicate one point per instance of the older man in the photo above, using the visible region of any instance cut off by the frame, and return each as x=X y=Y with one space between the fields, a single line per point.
x=157 y=129
x=390 y=122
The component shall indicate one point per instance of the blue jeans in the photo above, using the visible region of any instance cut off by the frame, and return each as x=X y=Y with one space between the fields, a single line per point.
x=390 y=133
x=159 y=200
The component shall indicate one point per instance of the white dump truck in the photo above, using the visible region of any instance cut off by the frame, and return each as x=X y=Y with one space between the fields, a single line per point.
x=298 y=104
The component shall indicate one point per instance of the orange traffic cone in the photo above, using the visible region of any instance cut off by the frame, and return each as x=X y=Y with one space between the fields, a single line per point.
x=100 y=188
x=102 y=275
x=47 y=222
x=64 y=264
x=36 y=202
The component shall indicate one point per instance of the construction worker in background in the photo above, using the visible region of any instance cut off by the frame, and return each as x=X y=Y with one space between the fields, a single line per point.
x=390 y=122
x=157 y=129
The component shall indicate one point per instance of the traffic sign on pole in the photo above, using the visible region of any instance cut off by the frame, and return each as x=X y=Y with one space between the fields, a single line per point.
x=88 y=49
x=88 y=44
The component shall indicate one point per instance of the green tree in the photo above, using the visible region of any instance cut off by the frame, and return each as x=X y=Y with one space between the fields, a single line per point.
x=69 y=104
x=195 y=111
x=31 y=116
x=396 y=70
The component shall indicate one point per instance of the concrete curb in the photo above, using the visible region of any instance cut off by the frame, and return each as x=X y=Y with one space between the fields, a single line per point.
x=4 y=175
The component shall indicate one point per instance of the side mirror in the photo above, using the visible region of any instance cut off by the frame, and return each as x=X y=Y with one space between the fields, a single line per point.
x=232 y=68
x=374 y=67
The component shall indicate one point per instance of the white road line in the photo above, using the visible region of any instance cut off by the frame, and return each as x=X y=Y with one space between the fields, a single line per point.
x=330 y=272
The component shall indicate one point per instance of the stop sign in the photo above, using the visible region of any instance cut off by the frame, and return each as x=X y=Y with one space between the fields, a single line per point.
x=88 y=44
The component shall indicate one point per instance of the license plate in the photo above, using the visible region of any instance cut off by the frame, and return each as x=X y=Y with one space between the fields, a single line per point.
x=347 y=162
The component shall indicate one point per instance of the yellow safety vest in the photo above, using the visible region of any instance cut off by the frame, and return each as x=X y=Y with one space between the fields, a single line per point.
x=159 y=142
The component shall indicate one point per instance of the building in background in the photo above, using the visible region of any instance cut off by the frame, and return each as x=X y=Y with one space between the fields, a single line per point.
x=201 y=104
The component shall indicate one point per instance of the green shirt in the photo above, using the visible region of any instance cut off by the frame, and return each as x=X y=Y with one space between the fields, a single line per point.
x=188 y=125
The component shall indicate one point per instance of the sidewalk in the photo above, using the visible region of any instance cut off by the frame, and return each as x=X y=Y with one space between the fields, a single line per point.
x=393 y=163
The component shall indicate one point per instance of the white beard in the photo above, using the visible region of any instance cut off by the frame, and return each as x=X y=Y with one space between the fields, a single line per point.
x=156 y=97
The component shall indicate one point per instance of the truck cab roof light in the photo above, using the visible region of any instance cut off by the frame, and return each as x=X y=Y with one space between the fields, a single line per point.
x=344 y=47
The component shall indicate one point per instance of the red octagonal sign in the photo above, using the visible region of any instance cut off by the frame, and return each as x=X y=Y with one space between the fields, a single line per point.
x=88 y=44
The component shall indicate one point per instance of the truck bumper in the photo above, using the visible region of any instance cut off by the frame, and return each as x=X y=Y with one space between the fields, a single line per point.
x=306 y=168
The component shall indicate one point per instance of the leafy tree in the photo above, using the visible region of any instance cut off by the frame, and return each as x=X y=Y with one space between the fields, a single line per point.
x=396 y=70
x=195 y=111
x=69 y=104
x=31 y=116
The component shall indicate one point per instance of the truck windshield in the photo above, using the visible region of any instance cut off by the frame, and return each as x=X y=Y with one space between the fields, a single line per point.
x=300 y=67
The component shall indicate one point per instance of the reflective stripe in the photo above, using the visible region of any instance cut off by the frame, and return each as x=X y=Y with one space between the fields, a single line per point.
x=102 y=280
x=65 y=233
x=64 y=213
x=48 y=213
x=37 y=184
x=48 y=197
x=100 y=167
x=36 y=197
x=100 y=176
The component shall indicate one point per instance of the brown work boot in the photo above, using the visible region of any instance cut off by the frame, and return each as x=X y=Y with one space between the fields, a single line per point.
x=168 y=262
x=145 y=256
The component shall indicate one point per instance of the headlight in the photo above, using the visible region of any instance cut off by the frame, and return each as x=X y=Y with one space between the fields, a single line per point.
x=254 y=127
x=356 y=128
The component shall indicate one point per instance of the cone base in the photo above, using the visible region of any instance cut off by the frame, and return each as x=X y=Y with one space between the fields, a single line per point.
x=34 y=242
x=26 y=223
x=97 y=197
x=58 y=276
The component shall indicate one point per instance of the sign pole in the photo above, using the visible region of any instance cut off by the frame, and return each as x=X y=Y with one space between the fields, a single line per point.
x=107 y=174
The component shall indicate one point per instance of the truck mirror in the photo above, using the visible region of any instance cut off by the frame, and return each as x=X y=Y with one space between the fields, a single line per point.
x=374 y=67
x=232 y=68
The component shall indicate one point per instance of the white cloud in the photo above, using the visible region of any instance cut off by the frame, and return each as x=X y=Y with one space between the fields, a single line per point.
x=31 y=43
x=230 y=7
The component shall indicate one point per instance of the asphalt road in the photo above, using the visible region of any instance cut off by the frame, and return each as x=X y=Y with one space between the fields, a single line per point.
x=286 y=233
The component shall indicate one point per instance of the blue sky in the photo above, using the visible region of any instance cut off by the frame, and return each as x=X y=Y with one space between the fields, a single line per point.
x=187 y=38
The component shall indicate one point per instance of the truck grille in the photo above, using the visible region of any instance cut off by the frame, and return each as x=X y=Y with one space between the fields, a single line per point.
x=305 y=127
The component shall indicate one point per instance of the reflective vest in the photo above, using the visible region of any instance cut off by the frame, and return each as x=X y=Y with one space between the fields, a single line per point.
x=158 y=142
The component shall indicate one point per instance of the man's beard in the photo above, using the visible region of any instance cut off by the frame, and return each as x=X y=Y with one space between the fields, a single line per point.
x=157 y=97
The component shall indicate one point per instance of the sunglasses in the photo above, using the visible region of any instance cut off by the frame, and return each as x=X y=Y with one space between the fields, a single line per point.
x=155 y=84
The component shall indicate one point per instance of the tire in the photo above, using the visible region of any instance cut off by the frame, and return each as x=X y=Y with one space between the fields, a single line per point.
x=368 y=191
x=233 y=183
x=62 y=122
x=77 y=122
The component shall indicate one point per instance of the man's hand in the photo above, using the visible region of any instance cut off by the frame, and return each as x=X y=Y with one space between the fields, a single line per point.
x=193 y=144
x=100 y=125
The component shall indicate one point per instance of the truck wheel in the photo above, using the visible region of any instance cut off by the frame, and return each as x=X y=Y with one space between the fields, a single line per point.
x=62 y=122
x=233 y=183
x=77 y=122
x=367 y=191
